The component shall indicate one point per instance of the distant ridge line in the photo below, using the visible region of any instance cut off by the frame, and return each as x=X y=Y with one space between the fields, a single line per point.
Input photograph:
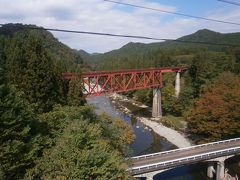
x=122 y=35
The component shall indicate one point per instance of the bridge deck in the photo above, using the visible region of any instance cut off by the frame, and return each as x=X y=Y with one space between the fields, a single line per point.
x=142 y=163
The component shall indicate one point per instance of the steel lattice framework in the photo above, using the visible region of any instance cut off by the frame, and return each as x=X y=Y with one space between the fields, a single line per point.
x=100 y=82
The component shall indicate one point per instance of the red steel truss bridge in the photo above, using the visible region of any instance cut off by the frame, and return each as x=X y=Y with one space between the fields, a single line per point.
x=101 y=82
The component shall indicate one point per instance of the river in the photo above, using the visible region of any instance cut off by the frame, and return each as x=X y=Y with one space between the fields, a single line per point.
x=147 y=141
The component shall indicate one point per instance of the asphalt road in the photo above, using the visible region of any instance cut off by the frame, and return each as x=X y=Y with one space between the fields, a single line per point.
x=183 y=153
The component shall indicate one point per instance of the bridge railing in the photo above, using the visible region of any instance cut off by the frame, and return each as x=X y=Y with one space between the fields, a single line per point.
x=181 y=149
x=184 y=160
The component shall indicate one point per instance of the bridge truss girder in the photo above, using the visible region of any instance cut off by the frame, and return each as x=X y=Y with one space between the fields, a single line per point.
x=102 y=82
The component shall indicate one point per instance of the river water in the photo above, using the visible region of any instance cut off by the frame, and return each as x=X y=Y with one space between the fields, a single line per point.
x=147 y=141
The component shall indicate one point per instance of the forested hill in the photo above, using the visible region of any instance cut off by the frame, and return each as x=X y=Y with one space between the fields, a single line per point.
x=90 y=58
x=176 y=52
x=62 y=54
x=45 y=125
x=206 y=35
x=33 y=60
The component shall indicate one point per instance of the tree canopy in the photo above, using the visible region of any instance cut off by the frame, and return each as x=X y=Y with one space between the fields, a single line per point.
x=216 y=114
x=46 y=129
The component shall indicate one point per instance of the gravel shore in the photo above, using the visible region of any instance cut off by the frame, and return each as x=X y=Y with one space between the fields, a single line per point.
x=171 y=135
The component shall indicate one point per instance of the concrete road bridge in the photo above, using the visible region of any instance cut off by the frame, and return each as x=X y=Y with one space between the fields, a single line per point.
x=217 y=152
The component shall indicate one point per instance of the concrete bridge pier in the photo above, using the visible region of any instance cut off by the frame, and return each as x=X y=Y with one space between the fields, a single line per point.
x=157 y=105
x=177 y=84
x=220 y=170
x=210 y=170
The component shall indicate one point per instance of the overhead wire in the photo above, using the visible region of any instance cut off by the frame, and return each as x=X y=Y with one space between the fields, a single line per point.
x=230 y=2
x=171 y=12
x=123 y=35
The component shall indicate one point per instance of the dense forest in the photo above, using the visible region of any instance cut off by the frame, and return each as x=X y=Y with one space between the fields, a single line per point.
x=209 y=98
x=46 y=129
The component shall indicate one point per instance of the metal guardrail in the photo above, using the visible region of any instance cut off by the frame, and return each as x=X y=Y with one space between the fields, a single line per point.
x=182 y=161
x=182 y=149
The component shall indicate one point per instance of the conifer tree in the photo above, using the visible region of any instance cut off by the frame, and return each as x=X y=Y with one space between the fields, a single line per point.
x=32 y=70
x=20 y=131
x=75 y=95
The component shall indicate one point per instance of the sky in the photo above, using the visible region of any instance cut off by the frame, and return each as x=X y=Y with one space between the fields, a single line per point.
x=101 y=16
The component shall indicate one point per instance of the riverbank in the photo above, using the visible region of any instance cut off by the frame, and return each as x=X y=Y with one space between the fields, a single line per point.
x=171 y=135
x=177 y=138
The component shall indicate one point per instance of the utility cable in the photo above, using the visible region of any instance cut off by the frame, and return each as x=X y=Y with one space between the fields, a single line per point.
x=171 y=12
x=230 y=2
x=122 y=35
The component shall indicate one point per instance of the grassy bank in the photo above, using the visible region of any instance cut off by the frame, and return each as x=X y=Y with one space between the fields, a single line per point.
x=177 y=123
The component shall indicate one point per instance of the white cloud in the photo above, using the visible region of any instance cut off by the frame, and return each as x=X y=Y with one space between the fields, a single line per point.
x=100 y=16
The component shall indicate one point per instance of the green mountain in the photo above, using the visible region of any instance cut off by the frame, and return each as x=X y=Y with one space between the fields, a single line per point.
x=61 y=53
x=89 y=58
x=172 y=49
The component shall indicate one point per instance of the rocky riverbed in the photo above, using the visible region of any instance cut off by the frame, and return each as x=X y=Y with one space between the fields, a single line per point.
x=177 y=138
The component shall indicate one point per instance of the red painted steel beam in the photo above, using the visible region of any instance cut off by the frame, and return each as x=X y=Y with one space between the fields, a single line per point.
x=100 y=82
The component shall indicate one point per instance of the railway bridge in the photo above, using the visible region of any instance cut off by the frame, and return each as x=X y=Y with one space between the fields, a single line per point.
x=102 y=82
x=217 y=152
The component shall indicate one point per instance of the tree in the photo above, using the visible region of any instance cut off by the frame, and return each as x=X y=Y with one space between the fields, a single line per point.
x=61 y=116
x=168 y=95
x=41 y=81
x=31 y=68
x=236 y=54
x=201 y=72
x=216 y=115
x=21 y=133
x=206 y=66
x=75 y=95
x=123 y=135
x=2 y=54
x=81 y=153
x=145 y=96
x=185 y=101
